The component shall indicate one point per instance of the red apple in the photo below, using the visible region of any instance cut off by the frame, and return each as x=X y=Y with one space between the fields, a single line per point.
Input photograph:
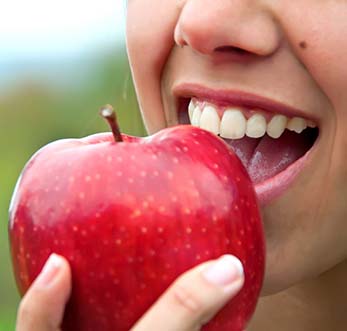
x=130 y=215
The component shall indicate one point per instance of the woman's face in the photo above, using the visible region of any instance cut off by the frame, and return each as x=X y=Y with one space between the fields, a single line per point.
x=269 y=58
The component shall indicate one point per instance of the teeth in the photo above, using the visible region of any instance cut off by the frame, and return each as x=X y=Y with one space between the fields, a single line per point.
x=233 y=125
x=256 y=126
x=297 y=124
x=196 y=116
x=276 y=126
x=191 y=109
x=311 y=124
x=210 y=119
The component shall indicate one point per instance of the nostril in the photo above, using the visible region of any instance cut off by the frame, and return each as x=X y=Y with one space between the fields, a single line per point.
x=231 y=49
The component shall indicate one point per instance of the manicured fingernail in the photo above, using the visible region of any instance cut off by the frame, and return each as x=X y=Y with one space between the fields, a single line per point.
x=50 y=270
x=225 y=271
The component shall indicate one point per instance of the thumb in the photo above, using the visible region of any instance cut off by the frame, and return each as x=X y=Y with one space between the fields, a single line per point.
x=195 y=297
x=42 y=307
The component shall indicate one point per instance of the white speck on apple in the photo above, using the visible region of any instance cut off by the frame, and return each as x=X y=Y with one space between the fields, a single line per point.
x=187 y=211
x=162 y=209
x=136 y=213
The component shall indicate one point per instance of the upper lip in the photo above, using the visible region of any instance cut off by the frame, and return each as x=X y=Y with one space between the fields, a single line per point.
x=238 y=98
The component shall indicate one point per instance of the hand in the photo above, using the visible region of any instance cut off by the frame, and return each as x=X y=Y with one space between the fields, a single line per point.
x=190 y=302
x=42 y=307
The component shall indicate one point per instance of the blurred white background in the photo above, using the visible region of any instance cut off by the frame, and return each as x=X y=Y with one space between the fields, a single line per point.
x=35 y=33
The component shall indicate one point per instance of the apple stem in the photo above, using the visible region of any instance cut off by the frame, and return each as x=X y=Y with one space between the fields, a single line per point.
x=108 y=113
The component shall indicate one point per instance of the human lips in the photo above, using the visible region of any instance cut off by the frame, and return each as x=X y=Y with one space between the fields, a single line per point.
x=274 y=141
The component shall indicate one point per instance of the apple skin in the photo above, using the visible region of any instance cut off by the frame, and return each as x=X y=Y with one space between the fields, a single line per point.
x=130 y=217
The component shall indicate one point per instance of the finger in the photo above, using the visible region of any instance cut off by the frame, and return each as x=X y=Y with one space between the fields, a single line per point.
x=42 y=307
x=195 y=297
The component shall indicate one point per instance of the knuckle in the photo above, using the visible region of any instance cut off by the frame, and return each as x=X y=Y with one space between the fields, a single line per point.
x=185 y=298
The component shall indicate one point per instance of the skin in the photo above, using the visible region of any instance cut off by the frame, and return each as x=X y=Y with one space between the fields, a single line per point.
x=303 y=41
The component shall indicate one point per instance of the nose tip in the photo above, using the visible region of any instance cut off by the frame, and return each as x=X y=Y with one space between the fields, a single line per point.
x=223 y=25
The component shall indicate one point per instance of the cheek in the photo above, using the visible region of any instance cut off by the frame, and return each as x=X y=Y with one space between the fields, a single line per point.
x=324 y=32
x=150 y=31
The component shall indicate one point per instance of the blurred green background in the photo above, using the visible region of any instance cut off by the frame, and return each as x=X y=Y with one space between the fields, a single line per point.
x=52 y=83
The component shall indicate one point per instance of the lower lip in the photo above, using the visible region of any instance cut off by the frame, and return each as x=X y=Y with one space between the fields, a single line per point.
x=273 y=187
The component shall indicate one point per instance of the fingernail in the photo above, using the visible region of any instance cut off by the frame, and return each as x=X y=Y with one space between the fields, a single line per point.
x=50 y=270
x=225 y=271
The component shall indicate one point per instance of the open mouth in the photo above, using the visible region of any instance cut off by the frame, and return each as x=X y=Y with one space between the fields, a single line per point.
x=273 y=146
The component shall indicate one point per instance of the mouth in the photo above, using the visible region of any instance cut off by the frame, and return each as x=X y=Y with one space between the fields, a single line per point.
x=274 y=142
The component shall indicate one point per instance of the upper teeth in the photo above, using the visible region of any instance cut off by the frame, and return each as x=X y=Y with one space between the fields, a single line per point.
x=234 y=124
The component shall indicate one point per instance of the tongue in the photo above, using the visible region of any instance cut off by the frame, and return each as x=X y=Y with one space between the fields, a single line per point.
x=266 y=157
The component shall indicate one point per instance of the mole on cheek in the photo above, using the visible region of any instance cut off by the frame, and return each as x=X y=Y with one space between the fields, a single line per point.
x=303 y=44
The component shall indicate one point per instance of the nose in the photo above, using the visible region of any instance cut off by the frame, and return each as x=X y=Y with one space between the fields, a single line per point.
x=241 y=26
